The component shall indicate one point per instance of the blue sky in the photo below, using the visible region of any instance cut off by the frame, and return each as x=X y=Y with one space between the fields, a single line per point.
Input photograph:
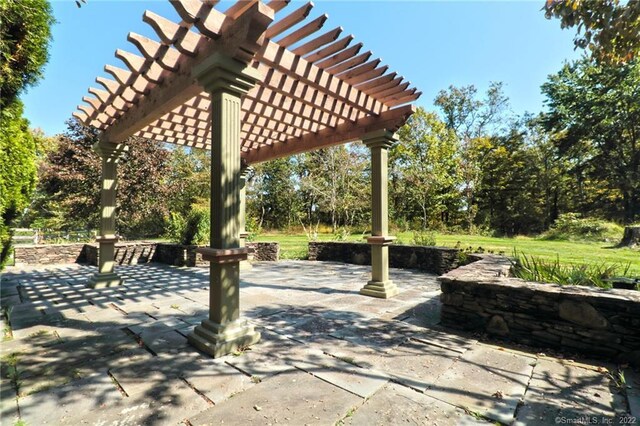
x=432 y=44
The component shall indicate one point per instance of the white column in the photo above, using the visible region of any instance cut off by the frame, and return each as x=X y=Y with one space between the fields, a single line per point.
x=226 y=80
x=106 y=276
x=380 y=284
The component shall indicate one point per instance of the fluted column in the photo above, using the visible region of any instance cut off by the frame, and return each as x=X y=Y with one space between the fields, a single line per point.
x=106 y=276
x=244 y=174
x=226 y=80
x=380 y=285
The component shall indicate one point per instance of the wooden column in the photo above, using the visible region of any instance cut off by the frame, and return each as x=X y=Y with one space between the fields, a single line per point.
x=244 y=174
x=106 y=276
x=380 y=284
x=226 y=80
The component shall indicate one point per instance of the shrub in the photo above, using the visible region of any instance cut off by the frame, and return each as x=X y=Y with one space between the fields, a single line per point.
x=424 y=238
x=192 y=230
x=532 y=268
x=175 y=227
x=571 y=226
x=342 y=234
x=253 y=228
x=196 y=230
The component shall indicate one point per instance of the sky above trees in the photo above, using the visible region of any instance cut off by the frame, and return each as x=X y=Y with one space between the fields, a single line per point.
x=433 y=44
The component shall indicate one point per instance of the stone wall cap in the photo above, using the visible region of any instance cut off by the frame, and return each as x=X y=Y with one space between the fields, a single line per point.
x=485 y=272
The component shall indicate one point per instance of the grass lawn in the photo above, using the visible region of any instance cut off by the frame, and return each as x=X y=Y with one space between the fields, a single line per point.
x=294 y=246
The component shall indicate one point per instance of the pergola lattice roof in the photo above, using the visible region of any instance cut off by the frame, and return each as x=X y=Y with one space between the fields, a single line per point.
x=315 y=91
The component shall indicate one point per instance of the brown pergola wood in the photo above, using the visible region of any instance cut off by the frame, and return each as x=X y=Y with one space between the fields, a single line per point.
x=333 y=48
x=318 y=42
x=307 y=96
x=303 y=32
x=289 y=21
x=342 y=56
x=347 y=132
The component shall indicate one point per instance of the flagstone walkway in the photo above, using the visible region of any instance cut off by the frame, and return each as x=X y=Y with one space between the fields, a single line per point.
x=328 y=356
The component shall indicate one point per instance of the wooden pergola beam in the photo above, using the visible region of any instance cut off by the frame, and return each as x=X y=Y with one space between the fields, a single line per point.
x=180 y=86
x=389 y=120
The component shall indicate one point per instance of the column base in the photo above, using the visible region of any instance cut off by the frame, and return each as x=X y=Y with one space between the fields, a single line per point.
x=219 y=340
x=380 y=289
x=105 y=280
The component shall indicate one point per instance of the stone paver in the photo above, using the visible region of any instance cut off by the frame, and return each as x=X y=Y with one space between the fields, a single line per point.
x=327 y=354
x=363 y=382
x=416 y=364
x=565 y=391
x=61 y=405
x=397 y=405
x=218 y=381
x=486 y=381
x=295 y=398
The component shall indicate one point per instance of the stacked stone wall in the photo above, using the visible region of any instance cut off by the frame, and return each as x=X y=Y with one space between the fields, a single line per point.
x=44 y=254
x=481 y=297
x=436 y=260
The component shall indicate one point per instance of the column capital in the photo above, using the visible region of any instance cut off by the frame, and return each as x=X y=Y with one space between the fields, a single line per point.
x=380 y=138
x=221 y=73
x=110 y=151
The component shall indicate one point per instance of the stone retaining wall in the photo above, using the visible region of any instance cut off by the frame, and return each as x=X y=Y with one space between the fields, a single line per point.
x=264 y=251
x=126 y=253
x=130 y=253
x=436 y=260
x=595 y=322
x=179 y=255
x=42 y=254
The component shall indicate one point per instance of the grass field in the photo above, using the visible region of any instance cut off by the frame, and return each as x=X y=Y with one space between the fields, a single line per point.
x=294 y=246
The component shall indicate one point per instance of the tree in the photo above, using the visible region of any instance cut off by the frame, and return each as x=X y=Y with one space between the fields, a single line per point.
x=608 y=28
x=472 y=120
x=594 y=111
x=271 y=194
x=336 y=185
x=25 y=34
x=70 y=180
x=189 y=177
x=425 y=169
x=18 y=152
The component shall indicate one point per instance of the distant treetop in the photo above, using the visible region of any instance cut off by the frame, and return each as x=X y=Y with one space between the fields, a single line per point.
x=610 y=29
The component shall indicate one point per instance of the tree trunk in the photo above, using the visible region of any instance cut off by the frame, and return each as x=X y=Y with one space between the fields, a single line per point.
x=631 y=237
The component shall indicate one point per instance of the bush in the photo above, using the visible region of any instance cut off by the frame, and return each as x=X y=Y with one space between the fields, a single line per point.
x=342 y=234
x=531 y=268
x=175 y=227
x=572 y=227
x=196 y=230
x=253 y=228
x=424 y=238
x=192 y=230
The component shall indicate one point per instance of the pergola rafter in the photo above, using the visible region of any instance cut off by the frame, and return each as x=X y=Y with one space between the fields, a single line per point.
x=312 y=81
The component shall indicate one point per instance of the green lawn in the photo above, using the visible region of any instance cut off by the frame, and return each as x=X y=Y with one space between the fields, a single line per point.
x=294 y=246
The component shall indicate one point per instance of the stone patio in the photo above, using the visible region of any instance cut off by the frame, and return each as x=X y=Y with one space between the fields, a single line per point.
x=328 y=355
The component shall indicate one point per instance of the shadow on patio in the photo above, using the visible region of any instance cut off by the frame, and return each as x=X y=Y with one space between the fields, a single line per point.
x=327 y=355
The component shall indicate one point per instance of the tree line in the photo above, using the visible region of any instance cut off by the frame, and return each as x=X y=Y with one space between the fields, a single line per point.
x=464 y=164
x=468 y=165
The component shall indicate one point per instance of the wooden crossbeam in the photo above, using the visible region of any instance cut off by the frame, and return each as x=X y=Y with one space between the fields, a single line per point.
x=315 y=90
x=346 y=132
x=289 y=21
x=318 y=42
x=303 y=32
x=180 y=86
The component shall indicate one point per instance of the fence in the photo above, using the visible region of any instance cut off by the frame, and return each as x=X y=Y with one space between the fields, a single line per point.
x=47 y=236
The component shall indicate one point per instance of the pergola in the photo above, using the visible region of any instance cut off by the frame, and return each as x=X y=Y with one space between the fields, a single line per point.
x=250 y=87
